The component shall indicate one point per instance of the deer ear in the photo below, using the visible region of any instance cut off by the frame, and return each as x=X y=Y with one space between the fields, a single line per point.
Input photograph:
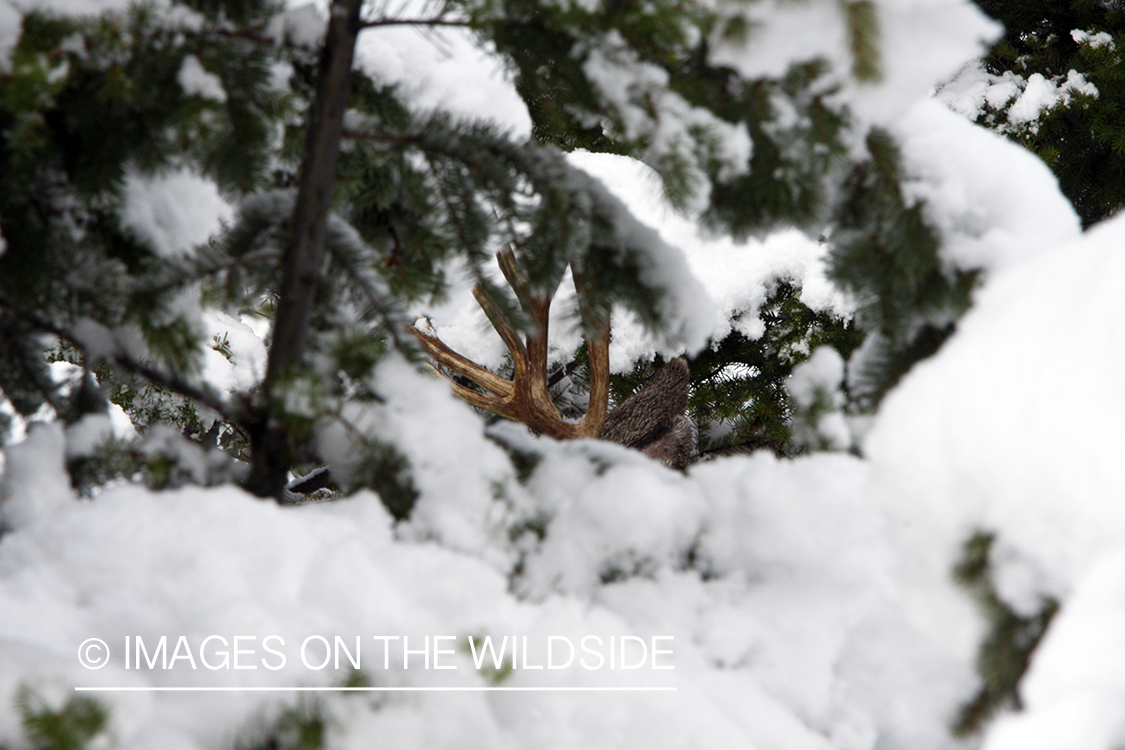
x=675 y=448
x=653 y=412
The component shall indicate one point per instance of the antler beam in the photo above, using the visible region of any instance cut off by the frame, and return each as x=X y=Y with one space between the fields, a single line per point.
x=525 y=398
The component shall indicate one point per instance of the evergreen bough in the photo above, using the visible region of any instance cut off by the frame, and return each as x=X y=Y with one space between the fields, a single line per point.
x=1081 y=138
x=351 y=205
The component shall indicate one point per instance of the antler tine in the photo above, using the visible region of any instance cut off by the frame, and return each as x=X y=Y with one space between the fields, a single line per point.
x=597 y=348
x=506 y=258
x=598 y=409
x=652 y=420
x=525 y=398
x=541 y=413
x=443 y=355
x=504 y=327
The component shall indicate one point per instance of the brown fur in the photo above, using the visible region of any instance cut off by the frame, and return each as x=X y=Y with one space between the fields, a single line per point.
x=652 y=419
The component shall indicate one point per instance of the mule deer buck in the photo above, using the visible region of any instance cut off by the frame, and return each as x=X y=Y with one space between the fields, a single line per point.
x=652 y=420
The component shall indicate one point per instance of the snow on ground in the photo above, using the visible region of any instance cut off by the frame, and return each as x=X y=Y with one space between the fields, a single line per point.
x=757 y=647
x=810 y=602
x=826 y=617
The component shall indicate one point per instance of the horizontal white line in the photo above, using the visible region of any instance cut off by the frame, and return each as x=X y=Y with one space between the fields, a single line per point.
x=479 y=689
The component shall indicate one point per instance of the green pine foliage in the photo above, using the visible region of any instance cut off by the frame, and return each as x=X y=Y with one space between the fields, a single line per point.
x=307 y=724
x=300 y=727
x=74 y=726
x=740 y=397
x=886 y=254
x=418 y=200
x=1082 y=138
x=558 y=49
x=1006 y=651
x=554 y=48
x=739 y=400
x=863 y=38
x=87 y=103
x=792 y=169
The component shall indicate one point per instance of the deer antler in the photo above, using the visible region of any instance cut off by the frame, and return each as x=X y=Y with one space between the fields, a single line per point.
x=525 y=398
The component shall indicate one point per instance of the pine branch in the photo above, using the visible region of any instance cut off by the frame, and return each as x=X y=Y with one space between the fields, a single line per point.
x=181 y=276
x=126 y=361
x=429 y=22
x=378 y=298
x=317 y=479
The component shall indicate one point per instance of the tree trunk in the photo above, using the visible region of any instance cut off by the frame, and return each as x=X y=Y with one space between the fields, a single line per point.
x=271 y=444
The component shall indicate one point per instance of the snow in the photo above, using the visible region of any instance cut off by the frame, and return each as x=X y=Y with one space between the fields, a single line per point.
x=1056 y=500
x=644 y=227
x=11 y=12
x=444 y=69
x=974 y=92
x=173 y=211
x=1077 y=83
x=922 y=42
x=636 y=90
x=9 y=33
x=302 y=24
x=246 y=365
x=973 y=88
x=826 y=619
x=685 y=310
x=737 y=277
x=1099 y=39
x=1041 y=95
x=84 y=436
x=196 y=81
x=457 y=470
x=993 y=203
x=823 y=371
x=35 y=481
x=1074 y=689
x=984 y=432
x=810 y=601
x=755 y=649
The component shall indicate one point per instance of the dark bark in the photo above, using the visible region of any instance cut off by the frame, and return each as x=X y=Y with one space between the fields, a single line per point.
x=271 y=445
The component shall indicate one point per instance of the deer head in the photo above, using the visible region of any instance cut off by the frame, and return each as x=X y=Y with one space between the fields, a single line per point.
x=652 y=420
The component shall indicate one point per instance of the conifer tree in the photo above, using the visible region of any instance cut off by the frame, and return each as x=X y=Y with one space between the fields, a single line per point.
x=350 y=204
x=886 y=254
x=1070 y=55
